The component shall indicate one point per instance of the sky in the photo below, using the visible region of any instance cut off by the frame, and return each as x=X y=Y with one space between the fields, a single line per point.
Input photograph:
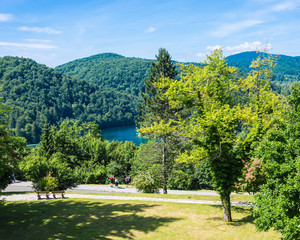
x=53 y=32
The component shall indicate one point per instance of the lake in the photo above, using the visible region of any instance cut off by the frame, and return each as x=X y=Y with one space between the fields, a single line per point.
x=123 y=134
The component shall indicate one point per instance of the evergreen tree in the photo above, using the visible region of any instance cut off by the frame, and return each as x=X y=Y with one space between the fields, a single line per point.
x=156 y=104
x=47 y=142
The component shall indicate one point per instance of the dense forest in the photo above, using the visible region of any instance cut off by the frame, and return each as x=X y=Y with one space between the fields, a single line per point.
x=104 y=88
x=37 y=94
x=110 y=70
x=127 y=74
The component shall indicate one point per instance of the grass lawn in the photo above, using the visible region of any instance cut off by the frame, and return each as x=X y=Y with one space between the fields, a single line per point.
x=111 y=219
x=234 y=198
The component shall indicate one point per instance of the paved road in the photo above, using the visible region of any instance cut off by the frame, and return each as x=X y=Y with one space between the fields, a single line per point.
x=22 y=186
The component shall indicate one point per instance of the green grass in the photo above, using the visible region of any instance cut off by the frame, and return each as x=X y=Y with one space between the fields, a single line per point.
x=111 y=219
x=234 y=198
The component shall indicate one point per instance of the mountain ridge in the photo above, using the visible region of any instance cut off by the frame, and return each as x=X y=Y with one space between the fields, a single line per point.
x=126 y=74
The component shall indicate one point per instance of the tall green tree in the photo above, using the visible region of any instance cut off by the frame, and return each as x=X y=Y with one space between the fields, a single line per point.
x=278 y=202
x=156 y=105
x=217 y=116
x=11 y=150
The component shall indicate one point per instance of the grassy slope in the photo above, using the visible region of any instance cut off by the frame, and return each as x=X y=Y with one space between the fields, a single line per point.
x=110 y=219
x=234 y=198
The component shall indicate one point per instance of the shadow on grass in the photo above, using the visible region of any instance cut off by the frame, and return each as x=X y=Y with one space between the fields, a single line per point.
x=235 y=209
x=84 y=219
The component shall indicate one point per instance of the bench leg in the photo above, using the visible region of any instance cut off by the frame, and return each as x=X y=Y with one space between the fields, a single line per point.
x=38 y=196
x=63 y=195
x=47 y=195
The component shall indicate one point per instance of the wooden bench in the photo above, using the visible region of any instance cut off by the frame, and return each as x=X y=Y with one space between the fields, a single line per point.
x=62 y=193
x=39 y=193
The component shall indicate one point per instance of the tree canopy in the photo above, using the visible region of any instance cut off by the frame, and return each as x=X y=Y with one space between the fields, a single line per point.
x=37 y=94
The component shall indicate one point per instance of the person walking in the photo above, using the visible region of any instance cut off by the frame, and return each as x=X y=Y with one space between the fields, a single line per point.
x=127 y=179
x=116 y=182
x=111 y=180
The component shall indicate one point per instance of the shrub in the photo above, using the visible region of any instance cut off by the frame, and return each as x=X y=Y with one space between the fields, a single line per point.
x=149 y=181
x=179 y=180
x=203 y=176
x=90 y=172
x=36 y=168
x=253 y=177
x=48 y=183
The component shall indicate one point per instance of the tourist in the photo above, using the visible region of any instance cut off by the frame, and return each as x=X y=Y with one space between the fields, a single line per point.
x=111 y=180
x=127 y=179
x=116 y=182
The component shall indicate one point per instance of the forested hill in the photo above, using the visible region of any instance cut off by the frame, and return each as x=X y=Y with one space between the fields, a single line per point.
x=287 y=68
x=110 y=70
x=37 y=94
x=127 y=74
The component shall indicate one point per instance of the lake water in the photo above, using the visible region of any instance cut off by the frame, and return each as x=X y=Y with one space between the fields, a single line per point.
x=122 y=134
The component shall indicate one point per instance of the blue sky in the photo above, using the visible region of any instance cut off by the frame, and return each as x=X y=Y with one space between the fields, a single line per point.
x=53 y=32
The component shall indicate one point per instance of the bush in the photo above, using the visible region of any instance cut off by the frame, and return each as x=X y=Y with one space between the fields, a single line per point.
x=149 y=181
x=179 y=180
x=48 y=183
x=203 y=176
x=37 y=168
x=253 y=177
x=90 y=172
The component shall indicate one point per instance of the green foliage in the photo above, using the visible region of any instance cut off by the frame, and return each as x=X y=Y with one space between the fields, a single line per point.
x=277 y=204
x=110 y=71
x=287 y=68
x=48 y=183
x=179 y=180
x=90 y=172
x=149 y=181
x=45 y=173
x=218 y=114
x=84 y=156
x=156 y=106
x=11 y=150
x=253 y=177
x=203 y=175
x=38 y=95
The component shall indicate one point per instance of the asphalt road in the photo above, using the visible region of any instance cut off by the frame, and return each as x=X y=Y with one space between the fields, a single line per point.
x=22 y=186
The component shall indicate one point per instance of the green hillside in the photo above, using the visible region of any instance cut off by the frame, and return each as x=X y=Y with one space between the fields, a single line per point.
x=37 y=94
x=287 y=68
x=111 y=71
x=127 y=74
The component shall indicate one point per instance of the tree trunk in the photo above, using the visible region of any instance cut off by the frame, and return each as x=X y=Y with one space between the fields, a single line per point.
x=164 y=172
x=226 y=208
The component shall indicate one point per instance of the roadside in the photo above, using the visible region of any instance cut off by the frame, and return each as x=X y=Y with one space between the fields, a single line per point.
x=26 y=186
x=22 y=186
x=33 y=197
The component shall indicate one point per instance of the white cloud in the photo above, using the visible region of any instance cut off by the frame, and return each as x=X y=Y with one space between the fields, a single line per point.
x=289 y=5
x=249 y=46
x=27 y=45
x=5 y=17
x=39 y=30
x=201 y=55
x=39 y=40
x=150 y=30
x=230 y=28
x=213 y=47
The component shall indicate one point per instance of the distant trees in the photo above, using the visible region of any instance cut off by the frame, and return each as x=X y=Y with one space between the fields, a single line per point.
x=110 y=71
x=76 y=153
x=37 y=94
